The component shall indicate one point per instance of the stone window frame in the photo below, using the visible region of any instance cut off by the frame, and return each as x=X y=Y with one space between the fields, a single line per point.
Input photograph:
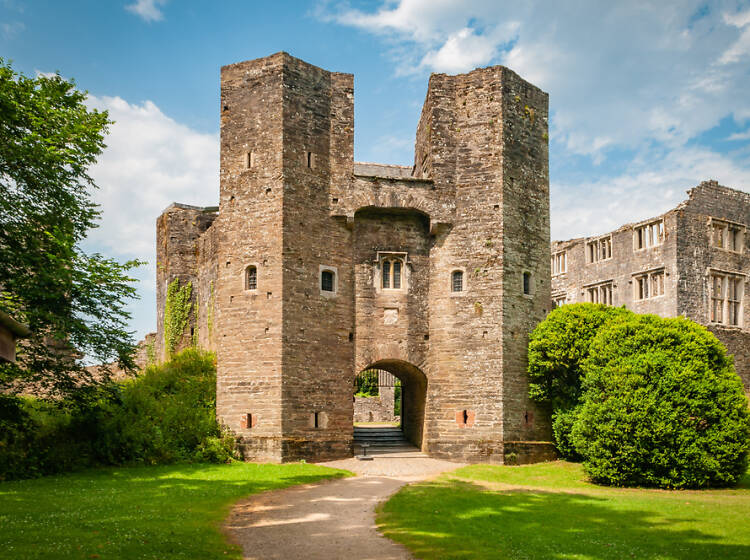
x=383 y=256
x=643 y=238
x=726 y=226
x=559 y=299
x=530 y=293
x=465 y=281
x=595 y=246
x=245 y=277
x=732 y=308
x=600 y=292
x=559 y=262
x=644 y=282
x=335 y=271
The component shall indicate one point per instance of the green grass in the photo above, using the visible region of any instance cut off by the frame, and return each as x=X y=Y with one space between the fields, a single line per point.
x=136 y=512
x=550 y=511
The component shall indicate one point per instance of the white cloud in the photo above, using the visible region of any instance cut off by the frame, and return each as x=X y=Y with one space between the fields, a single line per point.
x=740 y=136
x=648 y=187
x=149 y=10
x=150 y=161
x=741 y=47
x=619 y=75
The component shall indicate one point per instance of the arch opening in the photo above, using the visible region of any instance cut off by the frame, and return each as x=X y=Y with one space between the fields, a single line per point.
x=409 y=386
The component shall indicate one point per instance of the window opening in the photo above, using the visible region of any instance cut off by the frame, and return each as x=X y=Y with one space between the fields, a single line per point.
x=326 y=281
x=649 y=285
x=648 y=235
x=527 y=283
x=457 y=281
x=726 y=299
x=559 y=263
x=251 y=278
x=316 y=420
x=466 y=416
x=391 y=273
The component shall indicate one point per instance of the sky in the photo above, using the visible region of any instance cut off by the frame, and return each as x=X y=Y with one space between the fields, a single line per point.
x=647 y=99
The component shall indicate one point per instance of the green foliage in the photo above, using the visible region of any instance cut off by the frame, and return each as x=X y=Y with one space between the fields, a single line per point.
x=397 y=399
x=558 y=347
x=662 y=407
x=562 y=426
x=366 y=383
x=166 y=512
x=167 y=414
x=74 y=303
x=177 y=308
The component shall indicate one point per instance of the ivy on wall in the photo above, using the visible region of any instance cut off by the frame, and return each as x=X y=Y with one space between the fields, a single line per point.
x=177 y=308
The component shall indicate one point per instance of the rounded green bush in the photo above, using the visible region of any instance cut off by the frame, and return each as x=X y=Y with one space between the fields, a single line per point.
x=558 y=346
x=662 y=406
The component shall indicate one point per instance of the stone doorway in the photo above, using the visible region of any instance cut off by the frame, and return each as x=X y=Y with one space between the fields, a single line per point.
x=402 y=388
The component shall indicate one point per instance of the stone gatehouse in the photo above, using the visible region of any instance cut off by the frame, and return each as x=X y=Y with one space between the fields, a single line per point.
x=315 y=267
x=694 y=260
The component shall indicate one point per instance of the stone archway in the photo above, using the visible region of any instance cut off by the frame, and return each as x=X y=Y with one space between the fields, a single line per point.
x=413 y=396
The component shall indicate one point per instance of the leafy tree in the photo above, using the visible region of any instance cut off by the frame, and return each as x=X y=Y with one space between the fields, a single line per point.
x=662 y=406
x=73 y=302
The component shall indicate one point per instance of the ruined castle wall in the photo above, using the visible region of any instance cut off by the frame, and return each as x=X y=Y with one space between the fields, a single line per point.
x=318 y=326
x=178 y=232
x=205 y=284
x=622 y=269
x=249 y=233
x=376 y=409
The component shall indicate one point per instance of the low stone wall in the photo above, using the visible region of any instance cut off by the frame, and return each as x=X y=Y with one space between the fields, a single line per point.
x=738 y=344
x=376 y=409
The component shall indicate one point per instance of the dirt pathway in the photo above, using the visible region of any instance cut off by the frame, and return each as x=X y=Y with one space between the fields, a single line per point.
x=330 y=520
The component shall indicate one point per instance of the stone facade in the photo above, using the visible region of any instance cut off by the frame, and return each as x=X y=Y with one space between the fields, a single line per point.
x=316 y=267
x=688 y=258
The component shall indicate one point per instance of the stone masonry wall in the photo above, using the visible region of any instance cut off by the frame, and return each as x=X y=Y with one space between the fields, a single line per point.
x=687 y=258
x=376 y=409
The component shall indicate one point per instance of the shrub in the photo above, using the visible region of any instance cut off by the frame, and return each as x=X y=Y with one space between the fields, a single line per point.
x=167 y=414
x=662 y=407
x=558 y=346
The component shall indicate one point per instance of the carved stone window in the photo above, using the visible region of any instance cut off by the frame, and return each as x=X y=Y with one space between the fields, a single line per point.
x=727 y=292
x=559 y=263
x=390 y=272
x=648 y=285
x=648 y=235
x=727 y=235
x=599 y=249
x=601 y=293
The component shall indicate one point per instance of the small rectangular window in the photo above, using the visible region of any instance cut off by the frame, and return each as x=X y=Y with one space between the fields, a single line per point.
x=251 y=278
x=559 y=263
x=527 y=283
x=457 y=281
x=649 y=285
x=396 y=275
x=327 y=281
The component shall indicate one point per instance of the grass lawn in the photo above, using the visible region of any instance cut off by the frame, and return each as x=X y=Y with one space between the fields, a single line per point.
x=136 y=512
x=549 y=511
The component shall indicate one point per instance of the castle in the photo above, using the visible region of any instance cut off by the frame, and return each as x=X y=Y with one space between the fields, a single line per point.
x=692 y=261
x=315 y=267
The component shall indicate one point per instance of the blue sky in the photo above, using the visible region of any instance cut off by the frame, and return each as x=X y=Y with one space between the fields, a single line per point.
x=646 y=98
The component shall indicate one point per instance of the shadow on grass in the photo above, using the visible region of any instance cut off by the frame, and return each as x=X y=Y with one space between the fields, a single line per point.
x=461 y=520
x=155 y=512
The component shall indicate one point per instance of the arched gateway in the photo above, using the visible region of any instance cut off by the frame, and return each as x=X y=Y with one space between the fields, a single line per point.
x=316 y=267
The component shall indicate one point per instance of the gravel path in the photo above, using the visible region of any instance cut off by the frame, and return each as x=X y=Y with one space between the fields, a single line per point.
x=330 y=520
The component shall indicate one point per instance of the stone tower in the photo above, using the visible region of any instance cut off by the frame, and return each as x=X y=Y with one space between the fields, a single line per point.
x=317 y=267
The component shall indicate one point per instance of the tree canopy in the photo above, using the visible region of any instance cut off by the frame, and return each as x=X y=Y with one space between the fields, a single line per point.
x=73 y=302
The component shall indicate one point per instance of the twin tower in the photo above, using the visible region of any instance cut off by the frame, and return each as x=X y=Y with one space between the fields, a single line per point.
x=315 y=267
